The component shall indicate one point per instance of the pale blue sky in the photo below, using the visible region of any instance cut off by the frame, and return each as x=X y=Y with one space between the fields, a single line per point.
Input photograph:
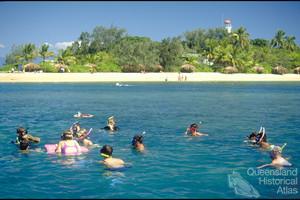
x=60 y=22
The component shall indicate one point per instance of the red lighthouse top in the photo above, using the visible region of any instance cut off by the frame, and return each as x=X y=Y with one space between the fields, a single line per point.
x=227 y=21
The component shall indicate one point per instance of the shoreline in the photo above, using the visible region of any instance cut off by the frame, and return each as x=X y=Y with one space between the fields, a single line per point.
x=35 y=77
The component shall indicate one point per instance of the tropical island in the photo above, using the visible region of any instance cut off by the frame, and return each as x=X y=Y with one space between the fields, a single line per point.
x=111 y=49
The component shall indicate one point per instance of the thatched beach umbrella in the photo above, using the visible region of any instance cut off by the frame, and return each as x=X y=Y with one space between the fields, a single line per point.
x=279 y=70
x=230 y=70
x=92 y=67
x=297 y=70
x=61 y=67
x=187 y=68
x=31 y=67
x=142 y=67
x=258 y=69
x=158 y=68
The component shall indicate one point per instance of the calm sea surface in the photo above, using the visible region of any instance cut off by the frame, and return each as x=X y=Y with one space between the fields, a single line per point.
x=174 y=166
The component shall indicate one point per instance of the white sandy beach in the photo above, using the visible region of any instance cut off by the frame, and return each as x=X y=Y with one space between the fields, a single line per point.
x=32 y=77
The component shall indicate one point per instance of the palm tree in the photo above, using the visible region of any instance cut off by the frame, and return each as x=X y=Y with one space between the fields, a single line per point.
x=224 y=55
x=44 y=53
x=290 y=43
x=29 y=52
x=278 y=40
x=210 y=45
x=241 y=38
x=66 y=57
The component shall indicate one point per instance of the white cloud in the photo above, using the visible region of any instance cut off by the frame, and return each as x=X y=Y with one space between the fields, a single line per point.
x=63 y=45
x=2 y=45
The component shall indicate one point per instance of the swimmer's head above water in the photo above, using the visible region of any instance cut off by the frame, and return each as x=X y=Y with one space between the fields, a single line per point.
x=106 y=151
x=21 y=131
x=252 y=136
x=275 y=153
x=137 y=139
x=67 y=135
x=194 y=127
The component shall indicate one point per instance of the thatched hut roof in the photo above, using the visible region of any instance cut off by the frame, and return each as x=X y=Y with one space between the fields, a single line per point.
x=142 y=67
x=157 y=68
x=91 y=65
x=297 y=70
x=31 y=67
x=258 y=69
x=230 y=70
x=279 y=70
x=187 y=68
x=61 y=67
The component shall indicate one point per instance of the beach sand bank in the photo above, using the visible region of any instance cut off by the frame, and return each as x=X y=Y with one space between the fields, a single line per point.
x=31 y=77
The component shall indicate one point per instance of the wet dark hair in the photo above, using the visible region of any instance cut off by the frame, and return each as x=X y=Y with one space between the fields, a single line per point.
x=106 y=149
x=194 y=125
x=137 y=138
x=67 y=134
x=21 y=130
x=253 y=134
x=24 y=145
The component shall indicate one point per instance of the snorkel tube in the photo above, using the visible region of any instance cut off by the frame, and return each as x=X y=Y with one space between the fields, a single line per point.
x=259 y=139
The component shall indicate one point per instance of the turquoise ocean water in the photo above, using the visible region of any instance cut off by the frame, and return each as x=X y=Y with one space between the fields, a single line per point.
x=174 y=166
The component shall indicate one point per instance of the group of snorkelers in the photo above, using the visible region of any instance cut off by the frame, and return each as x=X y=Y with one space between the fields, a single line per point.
x=260 y=139
x=73 y=139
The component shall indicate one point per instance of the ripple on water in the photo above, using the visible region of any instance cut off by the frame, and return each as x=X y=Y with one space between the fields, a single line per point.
x=173 y=166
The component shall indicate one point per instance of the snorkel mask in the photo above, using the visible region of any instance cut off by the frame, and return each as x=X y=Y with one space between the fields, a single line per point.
x=22 y=130
x=133 y=142
x=104 y=155
x=193 y=129
x=272 y=155
x=137 y=138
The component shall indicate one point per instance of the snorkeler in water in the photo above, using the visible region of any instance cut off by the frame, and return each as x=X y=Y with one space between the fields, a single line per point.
x=109 y=161
x=261 y=139
x=68 y=145
x=25 y=147
x=193 y=131
x=111 y=124
x=137 y=142
x=277 y=159
x=81 y=134
x=24 y=139
x=252 y=138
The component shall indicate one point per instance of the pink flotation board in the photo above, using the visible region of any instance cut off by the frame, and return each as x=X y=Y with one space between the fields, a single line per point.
x=50 y=148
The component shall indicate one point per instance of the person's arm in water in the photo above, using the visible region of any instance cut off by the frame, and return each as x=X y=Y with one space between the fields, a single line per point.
x=265 y=165
x=58 y=148
x=187 y=131
x=201 y=134
x=33 y=139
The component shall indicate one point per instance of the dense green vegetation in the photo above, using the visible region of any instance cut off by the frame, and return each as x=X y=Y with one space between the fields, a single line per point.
x=214 y=50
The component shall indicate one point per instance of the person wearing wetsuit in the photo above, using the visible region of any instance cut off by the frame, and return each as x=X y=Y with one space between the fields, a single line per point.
x=111 y=124
x=24 y=139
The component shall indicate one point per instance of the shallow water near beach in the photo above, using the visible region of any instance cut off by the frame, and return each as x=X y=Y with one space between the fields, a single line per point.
x=173 y=166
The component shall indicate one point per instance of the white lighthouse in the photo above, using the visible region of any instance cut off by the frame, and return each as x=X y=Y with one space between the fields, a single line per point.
x=228 y=27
